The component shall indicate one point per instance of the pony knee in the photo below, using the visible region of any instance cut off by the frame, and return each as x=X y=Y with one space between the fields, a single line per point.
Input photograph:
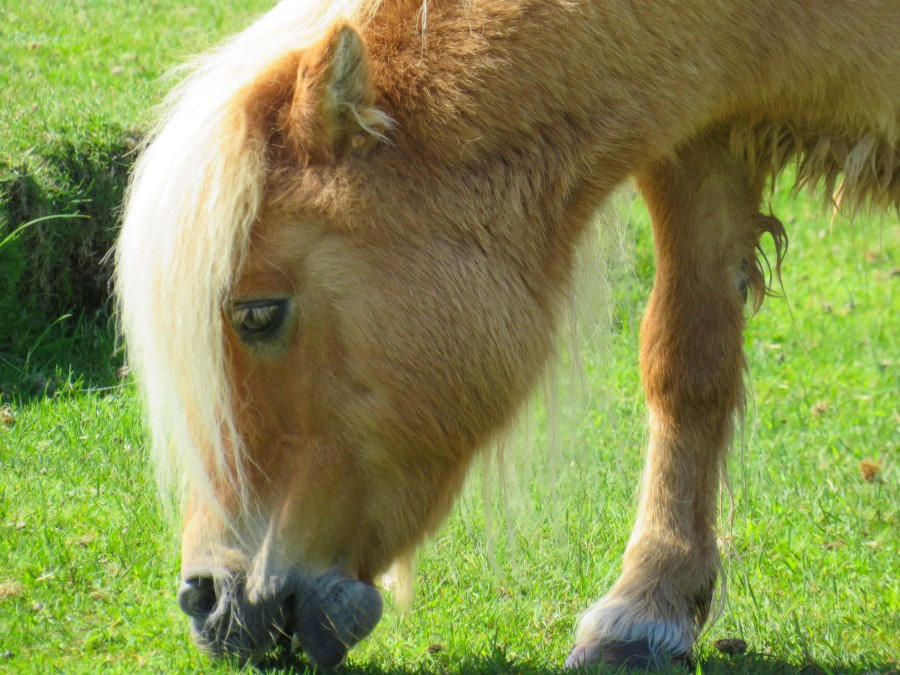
x=692 y=364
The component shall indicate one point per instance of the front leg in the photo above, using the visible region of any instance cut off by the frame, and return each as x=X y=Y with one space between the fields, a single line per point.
x=703 y=207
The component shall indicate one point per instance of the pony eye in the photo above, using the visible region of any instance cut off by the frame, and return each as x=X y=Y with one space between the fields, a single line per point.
x=259 y=320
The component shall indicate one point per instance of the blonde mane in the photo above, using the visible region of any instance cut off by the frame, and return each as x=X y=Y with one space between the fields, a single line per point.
x=173 y=274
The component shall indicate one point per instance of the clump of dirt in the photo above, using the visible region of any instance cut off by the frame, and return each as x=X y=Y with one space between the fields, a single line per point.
x=870 y=469
x=7 y=419
x=10 y=589
x=731 y=646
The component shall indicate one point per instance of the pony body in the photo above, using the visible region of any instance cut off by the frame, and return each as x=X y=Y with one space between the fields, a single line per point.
x=345 y=250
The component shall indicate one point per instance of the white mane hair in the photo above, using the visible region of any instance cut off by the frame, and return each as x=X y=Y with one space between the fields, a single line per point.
x=194 y=195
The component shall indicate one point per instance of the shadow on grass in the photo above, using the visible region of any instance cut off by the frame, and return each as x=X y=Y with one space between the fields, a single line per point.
x=71 y=354
x=500 y=662
x=769 y=665
x=60 y=206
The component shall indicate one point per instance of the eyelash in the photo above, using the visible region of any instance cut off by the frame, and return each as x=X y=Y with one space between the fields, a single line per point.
x=258 y=320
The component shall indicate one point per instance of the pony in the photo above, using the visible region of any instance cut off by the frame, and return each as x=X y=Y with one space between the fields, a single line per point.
x=347 y=241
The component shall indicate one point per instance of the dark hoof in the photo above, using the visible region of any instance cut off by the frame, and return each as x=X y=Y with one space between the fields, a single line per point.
x=636 y=655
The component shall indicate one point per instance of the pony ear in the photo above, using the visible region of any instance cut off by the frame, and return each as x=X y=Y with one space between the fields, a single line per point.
x=332 y=111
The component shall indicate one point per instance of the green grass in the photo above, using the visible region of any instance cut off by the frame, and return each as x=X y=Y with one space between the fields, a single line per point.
x=94 y=64
x=88 y=564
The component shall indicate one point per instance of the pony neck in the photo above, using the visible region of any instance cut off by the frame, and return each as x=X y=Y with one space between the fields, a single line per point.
x=468 y=79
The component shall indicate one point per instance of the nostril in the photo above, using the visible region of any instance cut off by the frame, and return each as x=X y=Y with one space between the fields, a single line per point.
x=197 y=597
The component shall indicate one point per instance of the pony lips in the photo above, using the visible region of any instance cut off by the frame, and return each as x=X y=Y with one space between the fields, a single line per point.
x=335 y=615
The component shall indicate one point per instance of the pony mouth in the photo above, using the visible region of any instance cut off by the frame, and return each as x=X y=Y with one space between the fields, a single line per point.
x=322 y=617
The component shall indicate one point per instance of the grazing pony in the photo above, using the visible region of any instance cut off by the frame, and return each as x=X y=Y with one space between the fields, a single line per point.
x=347 y=242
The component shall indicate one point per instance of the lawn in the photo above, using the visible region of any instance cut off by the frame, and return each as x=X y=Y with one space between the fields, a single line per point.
x=89 y=562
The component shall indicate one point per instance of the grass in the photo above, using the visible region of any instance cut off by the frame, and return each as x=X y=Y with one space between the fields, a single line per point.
x=80 y=80
x=88 y=563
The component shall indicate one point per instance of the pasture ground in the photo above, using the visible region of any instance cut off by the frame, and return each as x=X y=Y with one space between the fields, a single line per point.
x=88 y=562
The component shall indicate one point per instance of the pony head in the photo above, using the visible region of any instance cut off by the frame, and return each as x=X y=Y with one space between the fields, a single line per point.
x=322 y=330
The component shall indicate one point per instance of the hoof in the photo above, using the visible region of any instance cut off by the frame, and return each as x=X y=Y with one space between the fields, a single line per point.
x=637 y=655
